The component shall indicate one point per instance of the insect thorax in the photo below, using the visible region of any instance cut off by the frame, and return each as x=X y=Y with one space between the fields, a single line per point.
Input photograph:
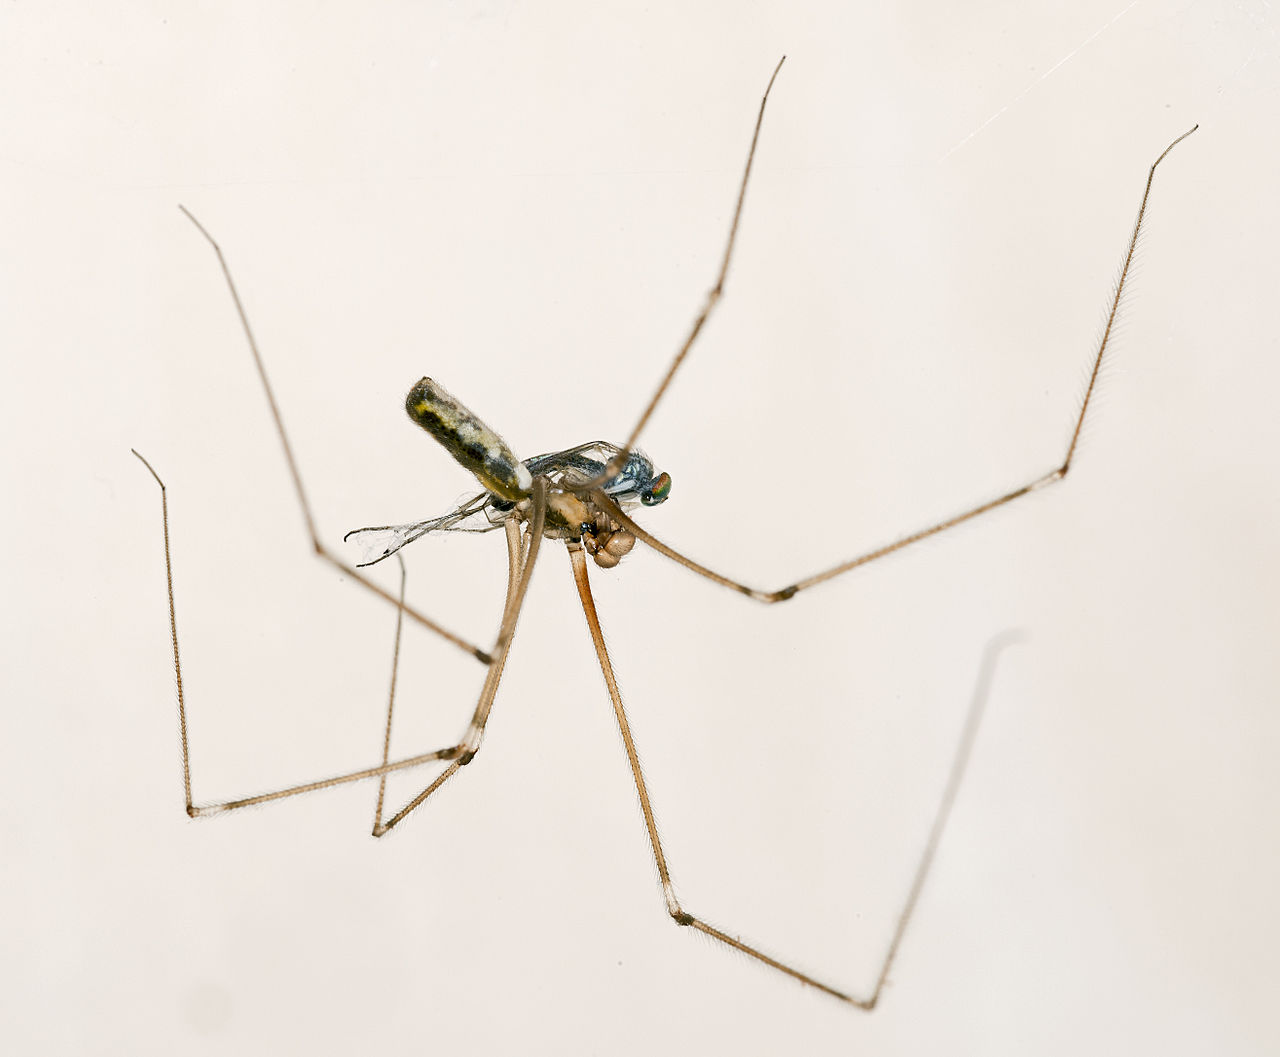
x=572 y=513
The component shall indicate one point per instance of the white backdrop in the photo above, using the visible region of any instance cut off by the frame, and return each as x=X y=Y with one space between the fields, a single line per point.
x=527 y=202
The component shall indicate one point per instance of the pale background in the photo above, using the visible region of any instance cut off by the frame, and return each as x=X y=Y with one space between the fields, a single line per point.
x=527 y=202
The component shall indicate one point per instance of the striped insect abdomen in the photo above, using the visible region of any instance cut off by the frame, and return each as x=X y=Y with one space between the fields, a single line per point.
x=469 y=440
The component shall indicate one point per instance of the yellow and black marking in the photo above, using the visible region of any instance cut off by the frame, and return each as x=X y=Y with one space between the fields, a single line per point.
x=472 y=443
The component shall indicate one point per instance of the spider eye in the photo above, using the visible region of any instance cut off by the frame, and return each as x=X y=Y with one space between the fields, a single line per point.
x=658 y=490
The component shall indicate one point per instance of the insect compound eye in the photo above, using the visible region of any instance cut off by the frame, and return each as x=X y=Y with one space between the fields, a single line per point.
x=657 y=491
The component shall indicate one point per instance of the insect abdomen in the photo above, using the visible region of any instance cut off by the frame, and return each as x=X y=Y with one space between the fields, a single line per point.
x=469 y=440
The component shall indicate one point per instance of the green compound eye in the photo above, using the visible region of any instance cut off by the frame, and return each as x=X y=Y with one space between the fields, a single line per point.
x=658 y=490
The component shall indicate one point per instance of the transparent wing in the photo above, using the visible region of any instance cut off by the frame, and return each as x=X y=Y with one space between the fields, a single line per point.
x=576 y=466
x=635 y=482
x=477 y=514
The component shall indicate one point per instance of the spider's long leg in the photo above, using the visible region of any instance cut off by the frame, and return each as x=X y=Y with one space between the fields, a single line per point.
x=783 y=593
x=682 y=917
x=194 y=810
x=391 y=697
x=318 y=546
x=521 y=556
x=708 y=306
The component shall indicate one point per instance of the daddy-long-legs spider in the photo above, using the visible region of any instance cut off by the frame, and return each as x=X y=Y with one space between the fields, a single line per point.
x=583 y=496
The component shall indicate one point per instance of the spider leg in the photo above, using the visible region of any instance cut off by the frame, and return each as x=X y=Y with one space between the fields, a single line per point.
x=681 y=916
x=1058 y=473
x=522 y=555
x=199 y=810
x=708 y=306
x=317 y=545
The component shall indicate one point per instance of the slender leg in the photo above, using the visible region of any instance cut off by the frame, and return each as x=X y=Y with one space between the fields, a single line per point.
x=391 y=697
x=521 y=556
x=520 y=568
x=1056 y=474
x=708 y=306
x=316 y=544
x=196 y=811
x=682 y=917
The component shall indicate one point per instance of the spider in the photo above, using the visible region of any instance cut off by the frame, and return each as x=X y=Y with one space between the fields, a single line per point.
x=585 y=496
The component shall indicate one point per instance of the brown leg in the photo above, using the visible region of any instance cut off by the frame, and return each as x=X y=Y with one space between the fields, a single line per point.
x=682 y=917
x=1058 y=473
x=521 y=557
x=316 y=544
x=708 y=306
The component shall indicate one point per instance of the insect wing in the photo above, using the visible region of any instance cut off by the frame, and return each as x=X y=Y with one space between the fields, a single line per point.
x=587 y=462
x=381 y=541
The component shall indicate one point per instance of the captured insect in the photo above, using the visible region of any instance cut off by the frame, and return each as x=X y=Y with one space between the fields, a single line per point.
x=587 y=497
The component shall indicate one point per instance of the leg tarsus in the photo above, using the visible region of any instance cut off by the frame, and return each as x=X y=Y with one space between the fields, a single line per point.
x=942 y=814
x=708 y=306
